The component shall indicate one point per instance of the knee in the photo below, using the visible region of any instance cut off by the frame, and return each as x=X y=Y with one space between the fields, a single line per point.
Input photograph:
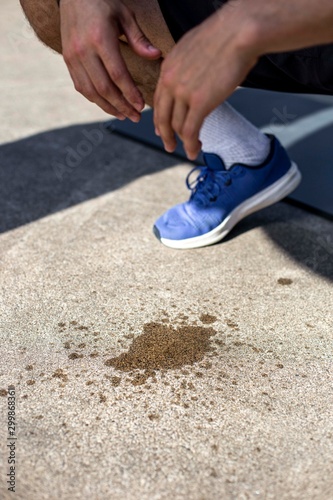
x=45 y=21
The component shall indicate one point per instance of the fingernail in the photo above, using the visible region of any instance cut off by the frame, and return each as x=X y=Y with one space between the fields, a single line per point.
x=157 y=132
x=191 y=156
x=139 y=106
x=151 y=48
x=135 y=118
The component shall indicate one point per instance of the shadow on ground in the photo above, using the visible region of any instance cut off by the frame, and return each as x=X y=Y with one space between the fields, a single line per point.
x=287 y=227
x=55 y=170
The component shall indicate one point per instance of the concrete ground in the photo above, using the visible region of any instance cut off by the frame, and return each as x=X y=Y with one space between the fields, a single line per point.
x=81 y=278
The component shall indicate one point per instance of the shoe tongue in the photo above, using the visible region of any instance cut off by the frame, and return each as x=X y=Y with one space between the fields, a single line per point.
x=213 y=161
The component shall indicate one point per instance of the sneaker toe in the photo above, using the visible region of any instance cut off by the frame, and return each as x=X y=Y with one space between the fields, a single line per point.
x=177 y=224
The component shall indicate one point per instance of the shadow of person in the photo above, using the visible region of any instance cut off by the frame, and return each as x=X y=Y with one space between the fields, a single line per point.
x=57 y=169
x=304 y=237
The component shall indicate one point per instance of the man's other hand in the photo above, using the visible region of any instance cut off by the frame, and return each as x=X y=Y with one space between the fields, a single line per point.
x=90 y=32
x=202 y=70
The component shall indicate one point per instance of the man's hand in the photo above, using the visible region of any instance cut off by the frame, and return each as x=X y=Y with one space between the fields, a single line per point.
x=210 y=61
x=203 y=69
x=90 y=32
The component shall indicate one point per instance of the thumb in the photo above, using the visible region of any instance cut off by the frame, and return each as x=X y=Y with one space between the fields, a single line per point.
x=138 y=41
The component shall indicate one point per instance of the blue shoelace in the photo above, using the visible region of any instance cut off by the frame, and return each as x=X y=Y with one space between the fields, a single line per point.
x=206 y=188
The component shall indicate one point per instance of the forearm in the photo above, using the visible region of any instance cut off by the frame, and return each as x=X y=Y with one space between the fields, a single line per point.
x=282 y=25
x=43 y=15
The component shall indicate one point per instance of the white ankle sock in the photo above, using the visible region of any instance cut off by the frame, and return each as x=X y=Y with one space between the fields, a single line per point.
x=228 y=134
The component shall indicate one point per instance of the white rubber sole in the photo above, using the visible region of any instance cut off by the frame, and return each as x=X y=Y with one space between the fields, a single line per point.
x=274 y=193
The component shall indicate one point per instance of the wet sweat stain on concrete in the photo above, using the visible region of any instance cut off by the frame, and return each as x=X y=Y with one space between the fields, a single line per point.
x=174 y=352
x=163 y=347
x=178 y=354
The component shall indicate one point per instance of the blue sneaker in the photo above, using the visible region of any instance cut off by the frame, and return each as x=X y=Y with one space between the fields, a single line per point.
x=220 y=198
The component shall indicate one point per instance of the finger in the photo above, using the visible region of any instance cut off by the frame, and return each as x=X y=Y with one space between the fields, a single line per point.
x=179 y=114
x=84 y=86
x=156 y=100
x=163 y=112
x=190 y=132
x=107 y=89
x=118 y=73
x=138 y=40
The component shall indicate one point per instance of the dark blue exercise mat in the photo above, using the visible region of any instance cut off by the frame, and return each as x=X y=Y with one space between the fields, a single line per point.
x=303 y=123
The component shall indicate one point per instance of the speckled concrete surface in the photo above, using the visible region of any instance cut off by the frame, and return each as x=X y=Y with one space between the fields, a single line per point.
x=82 y=273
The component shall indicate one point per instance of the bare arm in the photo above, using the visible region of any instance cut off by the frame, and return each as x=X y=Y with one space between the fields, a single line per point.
x=227 y=46
x=283 y=25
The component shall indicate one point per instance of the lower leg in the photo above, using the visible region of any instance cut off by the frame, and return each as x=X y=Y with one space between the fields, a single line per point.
x=146 y=73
